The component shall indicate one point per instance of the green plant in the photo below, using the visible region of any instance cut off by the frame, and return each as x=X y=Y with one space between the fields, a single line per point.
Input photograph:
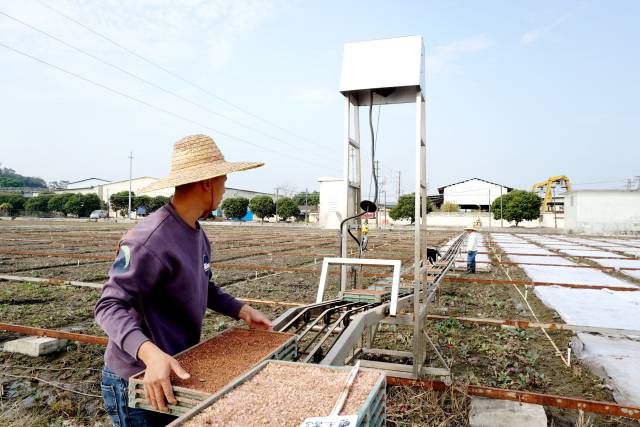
x=304 y=198
x=448 y=327
x=58 y=201
x=120 y=202
x=405 y=208
x=517 y=205
x=157 y=202
x=235 y=207
x=262 y=207
x=450 y=207
x=287 y=208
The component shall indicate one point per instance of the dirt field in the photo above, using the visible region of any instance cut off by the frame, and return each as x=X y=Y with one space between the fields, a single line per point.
x=251 y=262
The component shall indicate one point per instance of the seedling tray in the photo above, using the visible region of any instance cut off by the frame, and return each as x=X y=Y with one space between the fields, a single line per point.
x=216 y=362
x=366 y=295
x=280 y=393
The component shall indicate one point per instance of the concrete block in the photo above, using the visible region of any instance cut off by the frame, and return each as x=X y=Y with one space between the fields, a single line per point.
x=34 y=346
x=505 y=413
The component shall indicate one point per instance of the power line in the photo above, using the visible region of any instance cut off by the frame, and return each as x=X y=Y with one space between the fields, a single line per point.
x=155 y=107
x=171 y=73
x=142 y=79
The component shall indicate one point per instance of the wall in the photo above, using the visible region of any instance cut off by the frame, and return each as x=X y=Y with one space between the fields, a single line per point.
x=463 y=219
x=603 y=211
x=473 y=192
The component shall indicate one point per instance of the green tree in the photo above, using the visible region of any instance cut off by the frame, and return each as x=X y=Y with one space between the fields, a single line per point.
x=405 y=208
x=517 y=205
x=90 y=202
x=450 y=207
x=39 y=203
x=74 y=205
x=235 y=207
x=142 y=201
x=287 y=208
x=16 y=200
x=262 y=207
x=9 y=178
x=312 y=198
x=58 y=201
x=157 y=202
x=6 y=208
x=120 y=202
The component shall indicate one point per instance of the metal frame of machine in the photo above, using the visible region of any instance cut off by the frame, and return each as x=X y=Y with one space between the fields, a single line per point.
x=336 y=332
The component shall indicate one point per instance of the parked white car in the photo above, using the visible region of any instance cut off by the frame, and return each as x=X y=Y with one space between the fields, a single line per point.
x=97 y=214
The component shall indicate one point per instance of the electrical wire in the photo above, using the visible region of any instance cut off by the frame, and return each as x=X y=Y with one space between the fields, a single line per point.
x=154 y=85
x=155 y=107
x=373 y=148
x=171 y=73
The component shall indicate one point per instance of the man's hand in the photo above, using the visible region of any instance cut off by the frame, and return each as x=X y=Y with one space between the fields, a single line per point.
x=254 y=318
x=157 y=376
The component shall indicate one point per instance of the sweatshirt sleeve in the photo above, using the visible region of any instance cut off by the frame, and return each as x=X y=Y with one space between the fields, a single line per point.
x=220 y=301
x=134 y=273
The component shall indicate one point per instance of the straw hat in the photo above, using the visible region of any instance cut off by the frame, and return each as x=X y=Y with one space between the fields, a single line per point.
x=470 y=228
x=196 y=158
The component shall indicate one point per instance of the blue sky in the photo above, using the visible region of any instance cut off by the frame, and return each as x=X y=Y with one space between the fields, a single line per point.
x=516 y=91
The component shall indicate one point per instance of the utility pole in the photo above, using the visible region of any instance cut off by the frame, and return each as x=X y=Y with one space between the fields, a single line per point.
x=501 y=218
x=130 y=175
x=398 y=189
x=277 y=204
x=489 y=207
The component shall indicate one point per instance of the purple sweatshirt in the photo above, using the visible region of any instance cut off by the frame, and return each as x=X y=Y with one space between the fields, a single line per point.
x=158 y=290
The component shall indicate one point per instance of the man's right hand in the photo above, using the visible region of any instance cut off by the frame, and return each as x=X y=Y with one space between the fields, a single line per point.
x=157 y=375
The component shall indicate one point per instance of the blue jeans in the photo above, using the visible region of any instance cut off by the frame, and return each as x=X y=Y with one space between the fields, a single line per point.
x=471 y=261
x=116 y=396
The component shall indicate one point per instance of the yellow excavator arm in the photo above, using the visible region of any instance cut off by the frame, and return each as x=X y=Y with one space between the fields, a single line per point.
x=547 y=186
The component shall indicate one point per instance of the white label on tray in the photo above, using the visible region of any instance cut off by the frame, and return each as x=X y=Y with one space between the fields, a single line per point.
x=331 y=421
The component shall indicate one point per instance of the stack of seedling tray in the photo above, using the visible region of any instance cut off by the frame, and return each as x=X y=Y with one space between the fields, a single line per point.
x=366 y=295
x=216 y=362
x=283 y=394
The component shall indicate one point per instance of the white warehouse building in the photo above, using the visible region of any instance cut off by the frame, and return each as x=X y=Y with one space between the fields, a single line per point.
x=472 y=193
x=602 y=211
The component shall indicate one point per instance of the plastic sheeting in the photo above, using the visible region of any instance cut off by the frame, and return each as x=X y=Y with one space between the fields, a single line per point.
x=616 y=359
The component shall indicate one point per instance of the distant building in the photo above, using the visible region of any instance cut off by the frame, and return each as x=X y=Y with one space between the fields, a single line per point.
x=602 y=211
x=470 y=194
x=86 y=183
x=105 y=189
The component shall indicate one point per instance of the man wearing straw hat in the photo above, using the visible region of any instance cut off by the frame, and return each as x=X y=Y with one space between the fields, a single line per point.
x=472 y=248
x=159 y=287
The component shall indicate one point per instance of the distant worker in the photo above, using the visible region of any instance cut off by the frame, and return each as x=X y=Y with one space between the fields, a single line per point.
x=472 y=248
x=365 y=236
x=159 y=287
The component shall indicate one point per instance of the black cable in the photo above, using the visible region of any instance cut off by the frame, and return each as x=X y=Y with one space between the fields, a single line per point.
x=155 y=107
x=153 y=85
x=373 y=148
x=171 y=73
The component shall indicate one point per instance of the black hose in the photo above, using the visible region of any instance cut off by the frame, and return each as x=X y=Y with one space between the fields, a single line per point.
x=373 y=148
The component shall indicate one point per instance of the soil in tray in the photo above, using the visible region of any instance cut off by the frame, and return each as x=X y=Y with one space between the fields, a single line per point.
x=214 y=363
x=284 y=395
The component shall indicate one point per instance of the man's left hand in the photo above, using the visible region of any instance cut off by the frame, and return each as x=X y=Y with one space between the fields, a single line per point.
x=254 y=318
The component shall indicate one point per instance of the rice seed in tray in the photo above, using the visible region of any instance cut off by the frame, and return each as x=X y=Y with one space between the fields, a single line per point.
x=283 y=394
x=214 y=363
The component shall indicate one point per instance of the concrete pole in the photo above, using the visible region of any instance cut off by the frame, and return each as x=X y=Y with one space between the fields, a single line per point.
x=489 y=207
x=501 y=218
x=277 y=205
x=130 y=175
x=306 y=202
